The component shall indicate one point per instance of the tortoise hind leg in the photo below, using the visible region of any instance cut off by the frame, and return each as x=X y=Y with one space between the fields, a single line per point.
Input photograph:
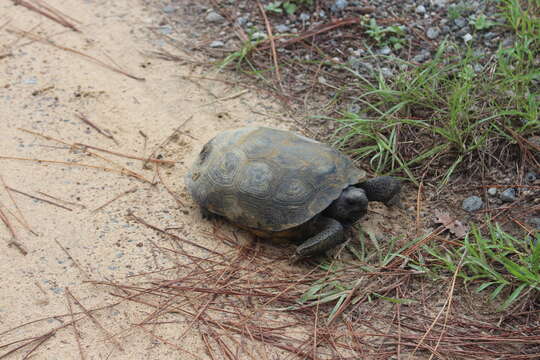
x=208 y=215
x=330 y=235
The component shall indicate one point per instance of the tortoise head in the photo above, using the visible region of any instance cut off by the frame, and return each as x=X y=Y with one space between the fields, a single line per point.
x=350 y=206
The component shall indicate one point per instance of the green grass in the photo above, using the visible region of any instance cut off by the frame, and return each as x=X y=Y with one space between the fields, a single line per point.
x=458 y=111
x=505 y=266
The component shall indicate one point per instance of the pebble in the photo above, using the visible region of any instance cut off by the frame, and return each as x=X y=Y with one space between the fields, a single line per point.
x=387 y=72
x=217 y=44
x=433 y=33
x=258 y=35
x=169 y=9
x=423 y=56
x=535 y=221
x=385 y=51
x=241 y=21
x=460 y=22
x=467 y=37
x=282 y=28
x=472 y=203
x=420 y=9
x=214 y=17
x=304 y=16
x=530 y=176
x=508 y=195
x=339 y=5
x=492 y=191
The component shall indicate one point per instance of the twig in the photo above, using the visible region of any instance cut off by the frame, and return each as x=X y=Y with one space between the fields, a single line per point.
x=132 y=190
x=110 y=337
x=39 y=199
x=22 y=219
x=73 y=51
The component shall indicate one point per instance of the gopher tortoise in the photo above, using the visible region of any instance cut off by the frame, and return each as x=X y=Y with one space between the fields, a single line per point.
x=281 y=185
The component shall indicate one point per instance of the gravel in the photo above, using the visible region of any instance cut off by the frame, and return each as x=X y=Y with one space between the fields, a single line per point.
x=467 y=37
x=492 y=191
x=282 y=28
x=472 y=203
x=508 y=195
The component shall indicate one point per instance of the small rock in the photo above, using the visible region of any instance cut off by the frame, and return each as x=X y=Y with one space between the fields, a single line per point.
x=169 y=9
x=508 y=195
x=214 y=17
x=439 y=3
x=535 y=221
x=217 y=44
x=282 y=28
x=508 y=42
x=339 y=5
x=258 y=35
x=492 y=191
x=165 y=30
x=304 y=16
x=422 y=56
x=467 y=37
x=472 y=203
x=387 y=72
x=385 y=51
x=445 y=29
x=241 y=21
x=478 y=68
x=420 y=9
x=530 y=176
x=460 y=22
x=489 y=35
x=433 y=32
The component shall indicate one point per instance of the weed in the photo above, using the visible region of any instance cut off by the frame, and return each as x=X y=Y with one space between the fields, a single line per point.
x=495 y=262
x=289 y=7
x=390 y=35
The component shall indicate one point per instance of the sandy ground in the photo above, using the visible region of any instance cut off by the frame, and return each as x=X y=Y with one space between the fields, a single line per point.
x=42 y=89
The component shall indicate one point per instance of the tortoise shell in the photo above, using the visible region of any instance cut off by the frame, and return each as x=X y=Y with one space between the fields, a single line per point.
x=267 y=179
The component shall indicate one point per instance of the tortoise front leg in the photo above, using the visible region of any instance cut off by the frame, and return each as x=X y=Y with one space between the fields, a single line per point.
x=330 y=235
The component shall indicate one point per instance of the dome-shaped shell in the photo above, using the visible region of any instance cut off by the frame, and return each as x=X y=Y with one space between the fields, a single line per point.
x=269 y=179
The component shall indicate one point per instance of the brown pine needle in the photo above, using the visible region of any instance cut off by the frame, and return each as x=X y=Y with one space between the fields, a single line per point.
x=75 y=262
x=157 y=161
x=132 y=190
x=76 y=146
x=94 y=60
x=61 y=200
x=39 y=199
x=15 y=240
x=23 y=219
x=272 y=44
x=109 y=336
x=124 y=171
x=76 y=332
x=105 y=133
x=48 y=13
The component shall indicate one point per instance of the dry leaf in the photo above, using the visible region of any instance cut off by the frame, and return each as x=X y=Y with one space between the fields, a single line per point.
x=456 y=227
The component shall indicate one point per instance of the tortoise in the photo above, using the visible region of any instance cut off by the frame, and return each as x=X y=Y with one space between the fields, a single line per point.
x=281 y=185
